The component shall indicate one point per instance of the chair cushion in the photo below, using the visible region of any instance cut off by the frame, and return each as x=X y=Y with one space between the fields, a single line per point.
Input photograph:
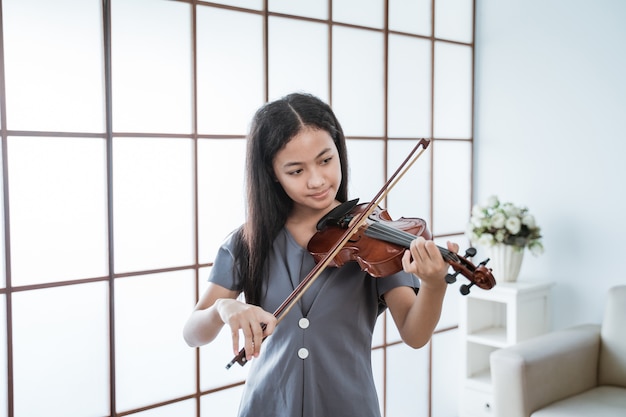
x=612 y=362
x=604 y=401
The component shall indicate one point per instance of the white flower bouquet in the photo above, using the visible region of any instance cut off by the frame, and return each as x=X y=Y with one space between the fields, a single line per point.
x=504 y=223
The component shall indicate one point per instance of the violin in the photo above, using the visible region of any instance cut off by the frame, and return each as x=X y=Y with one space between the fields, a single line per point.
x=379 y=244
x=347 y=224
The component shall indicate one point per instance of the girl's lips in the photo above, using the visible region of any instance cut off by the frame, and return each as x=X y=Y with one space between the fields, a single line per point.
x=320 y=195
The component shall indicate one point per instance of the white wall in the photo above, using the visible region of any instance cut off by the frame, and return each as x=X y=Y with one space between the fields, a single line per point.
x=550 y=129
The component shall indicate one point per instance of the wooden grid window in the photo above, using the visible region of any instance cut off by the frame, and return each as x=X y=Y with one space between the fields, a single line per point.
x=123 y=128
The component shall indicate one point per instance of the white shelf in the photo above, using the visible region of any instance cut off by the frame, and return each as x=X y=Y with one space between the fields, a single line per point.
x=480 y=380
x=491 y=320
x=492 y=336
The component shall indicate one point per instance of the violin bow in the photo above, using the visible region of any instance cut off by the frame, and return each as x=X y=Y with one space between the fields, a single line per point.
x=306 y=283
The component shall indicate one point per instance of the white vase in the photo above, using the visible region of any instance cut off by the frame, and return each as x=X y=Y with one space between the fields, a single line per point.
x=505 y=262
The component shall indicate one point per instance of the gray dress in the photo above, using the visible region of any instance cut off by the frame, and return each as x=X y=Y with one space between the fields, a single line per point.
x=317 y=363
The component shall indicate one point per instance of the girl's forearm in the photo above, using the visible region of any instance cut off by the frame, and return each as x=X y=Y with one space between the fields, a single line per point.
x=202 y=327
x=423 y=316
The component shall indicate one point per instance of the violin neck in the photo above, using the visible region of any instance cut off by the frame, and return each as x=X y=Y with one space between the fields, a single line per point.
x=381 y=231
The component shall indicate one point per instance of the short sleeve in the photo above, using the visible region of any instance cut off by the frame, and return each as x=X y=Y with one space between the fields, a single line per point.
x=400 y=279
x=224 y=271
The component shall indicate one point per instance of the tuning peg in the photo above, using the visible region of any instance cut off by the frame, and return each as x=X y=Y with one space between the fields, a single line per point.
x=451 y=278
x=470 y=252
x=465 y=289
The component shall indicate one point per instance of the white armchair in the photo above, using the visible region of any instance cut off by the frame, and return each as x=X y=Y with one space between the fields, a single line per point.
x=580 y=371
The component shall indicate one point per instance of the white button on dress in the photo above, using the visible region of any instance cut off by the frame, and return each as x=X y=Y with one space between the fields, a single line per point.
x=303 y=353
x=303 y=323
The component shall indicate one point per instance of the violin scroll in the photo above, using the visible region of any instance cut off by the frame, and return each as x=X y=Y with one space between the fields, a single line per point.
x=480 y=275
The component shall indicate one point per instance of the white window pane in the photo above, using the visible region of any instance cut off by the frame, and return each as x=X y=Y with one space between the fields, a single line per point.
x=61 y=351
x=367 y=173
x=358 y=81
x=409 y=87
x=411 y=195
x=454 y=20
x=215 y=355
x=291 y=43
x=378 y=368
x=221 y=193
x=446 y=364
x=3 y=281
x=452 y=169
x=58 y=209
x=3 y=356
x=407 y=380
x=230 y=69
x=450 y=311
x=392 y=333
x=359 y=12
x=453 y=91
x=213 y=360
x=222 y=403
x=153 y=363
x=151 y=66
x=179 y=409
x=203 y=275
x=153 y=203
x=309 y=8
x=411 y=16
x=54 y=65
x=379 y=331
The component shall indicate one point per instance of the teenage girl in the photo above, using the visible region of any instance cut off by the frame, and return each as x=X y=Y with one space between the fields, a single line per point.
x=317 y=361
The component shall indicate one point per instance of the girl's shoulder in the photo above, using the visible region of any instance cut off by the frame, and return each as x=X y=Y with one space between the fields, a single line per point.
x=224 y=270
x=232 y=239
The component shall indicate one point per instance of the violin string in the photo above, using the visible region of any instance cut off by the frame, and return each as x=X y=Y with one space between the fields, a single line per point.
x=404 y=239
x=400 y=237
x=389 y=234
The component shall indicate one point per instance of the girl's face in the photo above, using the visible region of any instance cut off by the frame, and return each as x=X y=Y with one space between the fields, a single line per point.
x=309 y=170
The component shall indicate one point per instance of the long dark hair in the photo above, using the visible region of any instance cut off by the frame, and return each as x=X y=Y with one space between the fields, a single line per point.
x=268 y=205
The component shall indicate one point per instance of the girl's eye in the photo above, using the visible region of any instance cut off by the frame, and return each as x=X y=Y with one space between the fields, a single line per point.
x=296 y=172
x=327 y=160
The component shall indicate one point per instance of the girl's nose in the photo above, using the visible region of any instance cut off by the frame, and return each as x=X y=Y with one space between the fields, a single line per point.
x=316 y=179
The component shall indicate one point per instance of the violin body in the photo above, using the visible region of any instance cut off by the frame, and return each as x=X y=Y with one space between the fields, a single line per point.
x=378 y=260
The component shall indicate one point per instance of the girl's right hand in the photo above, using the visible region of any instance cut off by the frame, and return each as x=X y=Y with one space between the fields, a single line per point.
x=254 y=322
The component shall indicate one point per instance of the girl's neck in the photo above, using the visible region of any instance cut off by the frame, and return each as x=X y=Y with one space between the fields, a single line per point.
x=302 y=223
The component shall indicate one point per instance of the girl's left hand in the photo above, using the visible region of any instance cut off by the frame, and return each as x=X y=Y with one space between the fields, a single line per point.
x=425 y=260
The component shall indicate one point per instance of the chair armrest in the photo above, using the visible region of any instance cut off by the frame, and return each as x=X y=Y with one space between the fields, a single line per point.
x=547 y=368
